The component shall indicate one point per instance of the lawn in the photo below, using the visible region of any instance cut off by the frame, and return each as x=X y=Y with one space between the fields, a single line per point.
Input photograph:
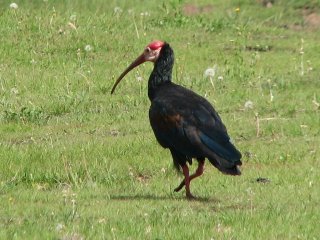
x=79 y=163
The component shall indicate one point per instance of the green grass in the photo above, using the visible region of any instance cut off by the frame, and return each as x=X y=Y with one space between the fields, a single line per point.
x=78 y=163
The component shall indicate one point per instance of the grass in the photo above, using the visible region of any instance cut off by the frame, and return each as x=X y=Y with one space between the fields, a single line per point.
x=78 y=163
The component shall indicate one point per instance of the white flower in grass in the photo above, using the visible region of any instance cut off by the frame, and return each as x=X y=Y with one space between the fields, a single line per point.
x=102 y=220
x=88 y=48
x=139 y=79
x=14 y=6
x=210 y=72
x=145 y=14
x=14 y=91
x=73 y=17
x=59 y=227
x=117 y=10
x=248 y=104
x=220 y=78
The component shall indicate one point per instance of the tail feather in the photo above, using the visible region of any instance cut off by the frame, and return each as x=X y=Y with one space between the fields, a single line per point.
x=230 y=170
x=225 y=150
x=224 y=156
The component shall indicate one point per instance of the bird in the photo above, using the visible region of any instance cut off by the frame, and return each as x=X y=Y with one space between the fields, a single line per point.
x=183 y=121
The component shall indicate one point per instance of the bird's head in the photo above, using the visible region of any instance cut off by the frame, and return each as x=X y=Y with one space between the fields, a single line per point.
x=150 y=53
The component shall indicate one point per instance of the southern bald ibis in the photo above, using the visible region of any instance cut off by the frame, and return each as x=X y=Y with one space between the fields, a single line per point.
x=183 y=121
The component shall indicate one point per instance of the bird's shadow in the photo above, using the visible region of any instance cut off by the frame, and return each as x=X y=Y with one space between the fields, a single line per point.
x=139 y=197
x=214 y=204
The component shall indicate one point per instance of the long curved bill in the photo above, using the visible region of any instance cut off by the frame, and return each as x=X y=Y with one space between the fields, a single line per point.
x=135 y=63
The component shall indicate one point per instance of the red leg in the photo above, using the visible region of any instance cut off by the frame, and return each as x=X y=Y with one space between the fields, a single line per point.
x=185 y=170
x=188 y=179
x=199 y=170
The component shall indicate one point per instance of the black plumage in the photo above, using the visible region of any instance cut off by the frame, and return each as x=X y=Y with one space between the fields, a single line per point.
x=187 y=124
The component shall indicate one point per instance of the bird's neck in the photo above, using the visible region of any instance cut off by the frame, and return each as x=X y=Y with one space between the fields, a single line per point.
x=162 y=71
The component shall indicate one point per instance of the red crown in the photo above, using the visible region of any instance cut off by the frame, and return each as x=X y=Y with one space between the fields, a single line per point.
x=156 y=44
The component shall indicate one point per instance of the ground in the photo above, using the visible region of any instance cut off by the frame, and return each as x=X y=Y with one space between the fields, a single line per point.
x=78 y=163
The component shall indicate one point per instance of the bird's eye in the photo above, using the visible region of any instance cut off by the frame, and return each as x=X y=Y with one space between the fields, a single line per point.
x=148 y=50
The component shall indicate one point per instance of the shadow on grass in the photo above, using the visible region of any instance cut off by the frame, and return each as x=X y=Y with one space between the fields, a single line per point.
x=214 y=204
x=161 y=198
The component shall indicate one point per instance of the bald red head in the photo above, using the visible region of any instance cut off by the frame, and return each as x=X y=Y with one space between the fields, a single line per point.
x=150 y=53
x=155 y=45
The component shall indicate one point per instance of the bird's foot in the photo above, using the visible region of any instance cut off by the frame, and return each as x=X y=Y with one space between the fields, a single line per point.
x=190 y=196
